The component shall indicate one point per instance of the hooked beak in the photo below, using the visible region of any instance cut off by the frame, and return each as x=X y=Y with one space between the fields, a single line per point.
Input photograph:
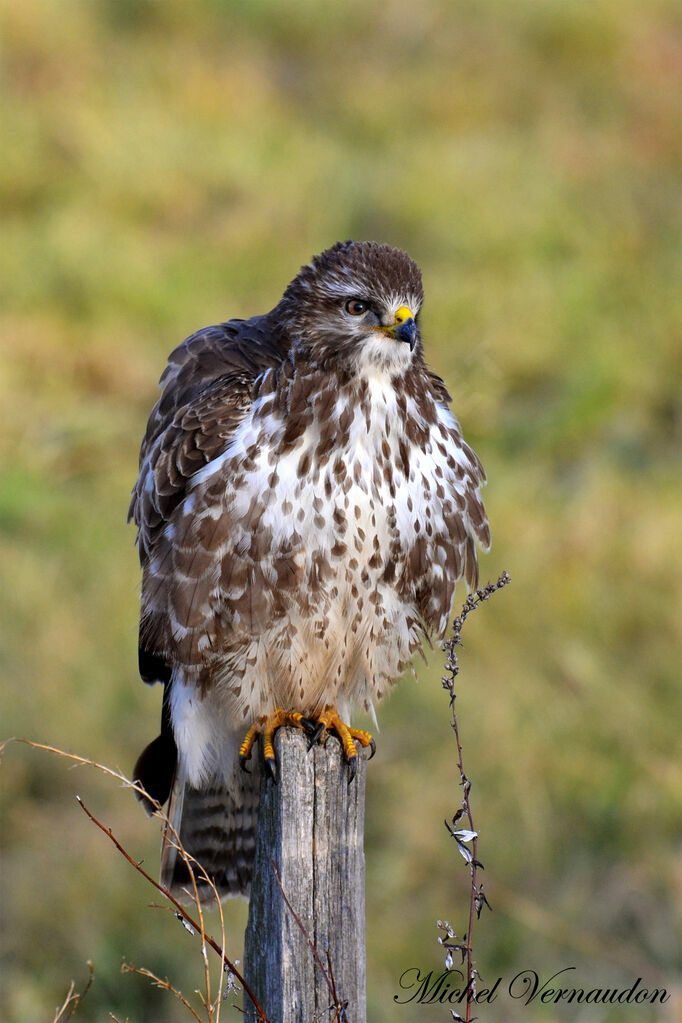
x=404 y=328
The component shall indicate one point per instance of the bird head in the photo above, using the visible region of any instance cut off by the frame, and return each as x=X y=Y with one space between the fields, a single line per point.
x=356 y=304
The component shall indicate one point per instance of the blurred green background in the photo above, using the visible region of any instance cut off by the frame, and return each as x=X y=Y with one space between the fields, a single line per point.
x=171 y=164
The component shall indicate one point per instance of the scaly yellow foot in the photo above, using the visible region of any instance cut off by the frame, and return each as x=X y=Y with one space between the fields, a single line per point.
x=267 y=725
x=329 y=721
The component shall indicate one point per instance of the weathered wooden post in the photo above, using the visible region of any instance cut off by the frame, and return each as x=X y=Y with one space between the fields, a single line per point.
x=311 y=825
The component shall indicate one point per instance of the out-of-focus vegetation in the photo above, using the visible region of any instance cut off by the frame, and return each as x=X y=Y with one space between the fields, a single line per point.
x=171 y=164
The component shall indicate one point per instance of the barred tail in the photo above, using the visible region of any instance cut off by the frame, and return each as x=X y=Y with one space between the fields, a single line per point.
x=217 y=826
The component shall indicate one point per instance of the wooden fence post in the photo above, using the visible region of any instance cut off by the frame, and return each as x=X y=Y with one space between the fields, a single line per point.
x=311 y=824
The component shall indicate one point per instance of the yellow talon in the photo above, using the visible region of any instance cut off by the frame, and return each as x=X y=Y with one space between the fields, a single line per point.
x=267 y=725
x=248 y=741
x=329 y=721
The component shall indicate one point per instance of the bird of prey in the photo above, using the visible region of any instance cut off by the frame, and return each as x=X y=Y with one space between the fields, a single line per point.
x=305 y=506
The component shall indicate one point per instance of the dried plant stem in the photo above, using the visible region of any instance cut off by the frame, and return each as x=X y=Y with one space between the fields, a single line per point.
x=179 y=908
x=73 y=998
x=474 y=864
x=181 y=912
x=328 y=974
x=477 y=897
x=158 y=982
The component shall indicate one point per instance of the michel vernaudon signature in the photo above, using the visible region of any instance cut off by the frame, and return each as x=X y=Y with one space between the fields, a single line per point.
x=526 y=986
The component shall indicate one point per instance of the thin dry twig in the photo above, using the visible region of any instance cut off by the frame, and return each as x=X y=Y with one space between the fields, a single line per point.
x=163 y=984
x=464 y=836
x=338 y=1006
x=73 y=998
x=179 y=908
x=181 y=912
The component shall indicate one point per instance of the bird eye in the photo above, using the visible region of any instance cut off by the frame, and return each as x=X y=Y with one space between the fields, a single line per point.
x=355 y=307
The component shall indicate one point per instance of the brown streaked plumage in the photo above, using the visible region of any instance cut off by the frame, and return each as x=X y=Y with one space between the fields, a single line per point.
x=305 y=507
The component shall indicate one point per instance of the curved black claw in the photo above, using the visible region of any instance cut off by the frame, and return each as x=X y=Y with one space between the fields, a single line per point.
x=314 y=730
x=373 y=748
x=352 y=768
x=271 y=767
x=242 y=764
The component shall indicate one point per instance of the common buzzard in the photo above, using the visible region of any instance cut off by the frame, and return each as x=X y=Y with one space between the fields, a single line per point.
x=305 y=506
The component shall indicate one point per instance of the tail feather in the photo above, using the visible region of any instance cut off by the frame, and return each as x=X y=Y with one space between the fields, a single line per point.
x=217 y=826
x=155 y=770
x=156 y=765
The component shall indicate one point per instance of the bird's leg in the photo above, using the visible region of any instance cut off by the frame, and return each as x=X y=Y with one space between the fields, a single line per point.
x=329 y=721
x=267 y=725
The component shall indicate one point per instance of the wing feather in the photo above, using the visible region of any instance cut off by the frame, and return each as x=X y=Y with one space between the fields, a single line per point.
x=206 y=392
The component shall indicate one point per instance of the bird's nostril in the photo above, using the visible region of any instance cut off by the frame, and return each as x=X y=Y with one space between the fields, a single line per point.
x=401 y=315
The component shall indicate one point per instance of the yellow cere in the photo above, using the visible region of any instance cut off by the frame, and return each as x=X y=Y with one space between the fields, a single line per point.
x=402 y=315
